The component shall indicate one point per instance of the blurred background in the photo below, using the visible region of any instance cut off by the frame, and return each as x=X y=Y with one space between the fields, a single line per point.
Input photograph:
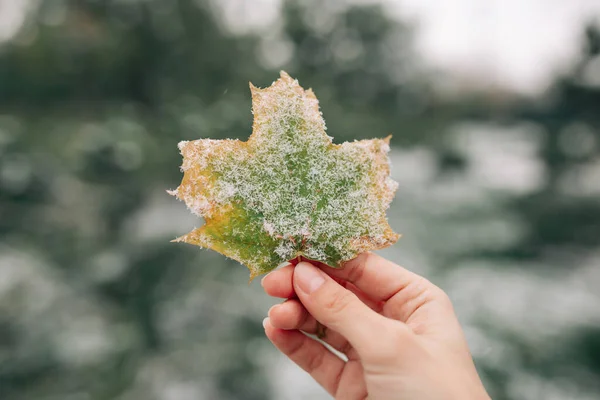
x=494 y=109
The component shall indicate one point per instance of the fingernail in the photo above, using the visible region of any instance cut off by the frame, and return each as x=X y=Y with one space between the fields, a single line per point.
x=308 y=277
x=263 y=279
x=265 y=322
x=272 y=308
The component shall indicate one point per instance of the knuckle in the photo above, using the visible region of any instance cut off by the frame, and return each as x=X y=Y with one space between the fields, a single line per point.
x=422 y=290
x=294 y=351
x=444 y=300
x=338 y=302
x=421 y=285
x=315 y=361
x=356 y=271
x=413 y=297
x=431 y=292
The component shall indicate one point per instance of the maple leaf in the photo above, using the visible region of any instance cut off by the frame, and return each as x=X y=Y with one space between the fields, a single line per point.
x=289 y=191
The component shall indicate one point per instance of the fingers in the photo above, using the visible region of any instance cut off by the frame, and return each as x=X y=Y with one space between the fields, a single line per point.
x=382 y=285
x=407 y=297
x=419 y=297
x=377 y=277
x=310 y=355
x=373 y=275
x=350 y=387
x=279 y=282
x=338 y=308
x=292 y=315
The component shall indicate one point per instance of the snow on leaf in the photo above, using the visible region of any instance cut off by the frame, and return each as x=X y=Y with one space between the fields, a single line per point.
x=288 y=192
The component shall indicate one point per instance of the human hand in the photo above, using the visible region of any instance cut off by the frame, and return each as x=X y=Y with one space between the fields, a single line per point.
x=398 y=331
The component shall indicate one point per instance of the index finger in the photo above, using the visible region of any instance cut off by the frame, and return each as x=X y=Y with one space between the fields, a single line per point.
x=278 y=283
x=377 y=277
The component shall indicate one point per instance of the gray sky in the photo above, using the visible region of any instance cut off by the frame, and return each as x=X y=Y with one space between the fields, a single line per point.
x=520 y=43
x=11 y=16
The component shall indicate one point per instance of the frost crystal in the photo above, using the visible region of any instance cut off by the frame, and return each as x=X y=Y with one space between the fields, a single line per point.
x=288 y=191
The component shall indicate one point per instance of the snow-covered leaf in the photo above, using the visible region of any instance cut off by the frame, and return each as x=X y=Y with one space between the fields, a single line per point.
x=288 y=192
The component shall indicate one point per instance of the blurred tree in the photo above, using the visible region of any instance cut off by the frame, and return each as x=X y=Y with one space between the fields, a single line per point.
x=564 y=216
x=88 y=105
x=561 y=217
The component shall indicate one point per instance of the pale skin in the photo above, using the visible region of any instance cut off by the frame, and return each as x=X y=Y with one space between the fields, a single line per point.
x=398 y=331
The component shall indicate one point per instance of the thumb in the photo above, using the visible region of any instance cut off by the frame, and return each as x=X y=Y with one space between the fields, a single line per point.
x=337 y=308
